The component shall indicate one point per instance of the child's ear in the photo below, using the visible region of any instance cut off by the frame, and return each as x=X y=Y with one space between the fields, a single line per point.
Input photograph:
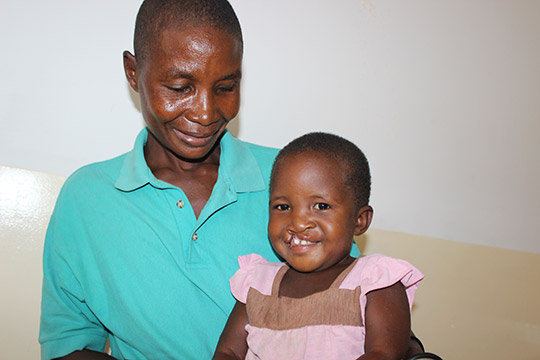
x=130 y=69
x=365 y=215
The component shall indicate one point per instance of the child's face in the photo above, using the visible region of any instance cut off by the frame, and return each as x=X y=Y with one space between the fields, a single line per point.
x=189 y=86
x=313 y=215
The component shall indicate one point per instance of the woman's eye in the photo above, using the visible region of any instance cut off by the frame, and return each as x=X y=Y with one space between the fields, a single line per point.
x=180 y=89
x=322 y=206
x=227 y=87
x=282 y=207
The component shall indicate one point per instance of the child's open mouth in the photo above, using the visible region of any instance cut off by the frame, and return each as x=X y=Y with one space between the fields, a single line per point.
x=294 y=241
x=297 y=242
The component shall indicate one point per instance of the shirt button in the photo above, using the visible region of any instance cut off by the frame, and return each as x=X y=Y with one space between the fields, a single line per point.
x=194 y=237
x=180 y=204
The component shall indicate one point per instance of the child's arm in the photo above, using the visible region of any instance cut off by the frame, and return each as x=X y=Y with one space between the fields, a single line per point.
x=86 y=355
x=232 y=342
x=388 y=323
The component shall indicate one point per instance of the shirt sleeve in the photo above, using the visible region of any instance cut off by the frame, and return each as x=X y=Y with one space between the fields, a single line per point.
x=375 y=272
x=67 y=323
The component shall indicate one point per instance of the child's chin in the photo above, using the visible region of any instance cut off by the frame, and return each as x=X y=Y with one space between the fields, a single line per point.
x=303 y=266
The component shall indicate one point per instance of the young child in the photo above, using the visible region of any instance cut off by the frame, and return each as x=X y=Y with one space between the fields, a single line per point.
x=321 y=303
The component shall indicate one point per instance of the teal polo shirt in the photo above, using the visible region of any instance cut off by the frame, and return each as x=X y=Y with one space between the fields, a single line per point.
x=126 y=258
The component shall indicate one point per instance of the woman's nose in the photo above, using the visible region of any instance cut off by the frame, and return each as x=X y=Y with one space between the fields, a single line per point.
x=202 y=110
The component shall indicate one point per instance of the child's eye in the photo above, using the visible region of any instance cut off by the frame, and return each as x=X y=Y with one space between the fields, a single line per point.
x=322 y=206
x=282 y=207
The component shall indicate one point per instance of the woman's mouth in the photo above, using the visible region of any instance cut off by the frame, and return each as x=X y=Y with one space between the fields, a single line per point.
x=194 y=139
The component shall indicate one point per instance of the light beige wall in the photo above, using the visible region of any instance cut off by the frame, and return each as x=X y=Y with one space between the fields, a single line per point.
x=476 y=302
x=27 y=200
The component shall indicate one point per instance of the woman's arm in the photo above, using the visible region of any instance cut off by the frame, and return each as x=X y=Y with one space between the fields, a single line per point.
x=388 y=324
x=232 y=342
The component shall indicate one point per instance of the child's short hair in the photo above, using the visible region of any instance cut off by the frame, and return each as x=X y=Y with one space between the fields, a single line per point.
x=156 y=15
x=336 y=148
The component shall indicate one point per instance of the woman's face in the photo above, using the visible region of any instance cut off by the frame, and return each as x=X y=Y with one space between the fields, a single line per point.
x=189 y=86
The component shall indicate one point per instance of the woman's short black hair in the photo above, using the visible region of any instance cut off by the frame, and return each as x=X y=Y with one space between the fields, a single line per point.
x=154 y=16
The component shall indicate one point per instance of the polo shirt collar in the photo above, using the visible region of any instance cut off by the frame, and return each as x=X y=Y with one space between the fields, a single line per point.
x=134 y=172
x=240 y=165
x=237 y=164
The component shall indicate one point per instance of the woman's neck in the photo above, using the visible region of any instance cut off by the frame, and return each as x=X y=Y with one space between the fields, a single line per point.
x=196 y=178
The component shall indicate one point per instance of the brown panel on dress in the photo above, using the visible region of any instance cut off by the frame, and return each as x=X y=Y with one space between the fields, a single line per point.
x=333 y=306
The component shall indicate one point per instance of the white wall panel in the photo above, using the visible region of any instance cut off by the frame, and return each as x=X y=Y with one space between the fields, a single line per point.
x=443 y=96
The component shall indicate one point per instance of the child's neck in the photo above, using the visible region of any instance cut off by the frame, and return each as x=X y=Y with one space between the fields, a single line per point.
x=296 y=284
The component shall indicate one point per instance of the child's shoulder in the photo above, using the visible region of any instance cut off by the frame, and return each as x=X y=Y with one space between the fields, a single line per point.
x=255 y=272
x=378 y=271
x=252 y=261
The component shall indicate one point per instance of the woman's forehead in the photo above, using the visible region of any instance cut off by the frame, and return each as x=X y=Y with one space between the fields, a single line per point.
x=190 y=48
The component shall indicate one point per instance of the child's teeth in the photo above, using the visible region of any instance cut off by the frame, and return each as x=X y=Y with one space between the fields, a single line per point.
x=301 y=242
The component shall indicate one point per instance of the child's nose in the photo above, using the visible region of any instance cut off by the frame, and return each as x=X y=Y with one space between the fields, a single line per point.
x=300 y=221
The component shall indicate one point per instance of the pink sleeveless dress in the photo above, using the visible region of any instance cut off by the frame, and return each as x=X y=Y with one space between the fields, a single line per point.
x=325 y=325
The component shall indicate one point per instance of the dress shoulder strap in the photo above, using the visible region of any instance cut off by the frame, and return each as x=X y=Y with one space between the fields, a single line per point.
x=343 y=275
x=277 y=280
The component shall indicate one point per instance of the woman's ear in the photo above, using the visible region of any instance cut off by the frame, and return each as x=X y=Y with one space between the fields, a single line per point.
x=130 y=69
x=363 y=221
